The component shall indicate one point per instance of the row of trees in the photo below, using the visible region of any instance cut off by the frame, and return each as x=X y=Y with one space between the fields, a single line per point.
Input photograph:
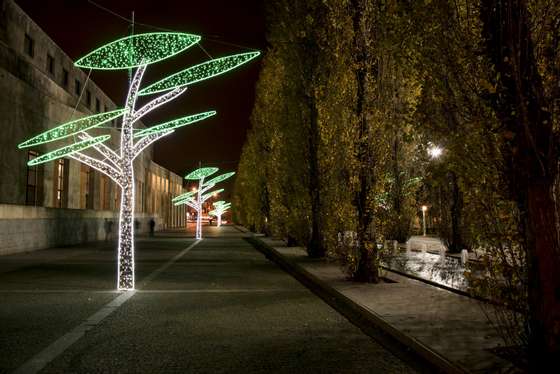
x=351 y=95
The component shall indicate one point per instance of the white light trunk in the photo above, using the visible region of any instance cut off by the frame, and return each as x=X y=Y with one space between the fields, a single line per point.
x=126 y=232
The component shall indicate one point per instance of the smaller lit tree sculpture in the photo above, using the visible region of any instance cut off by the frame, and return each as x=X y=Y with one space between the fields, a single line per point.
x=220 y=207
x=196 y=199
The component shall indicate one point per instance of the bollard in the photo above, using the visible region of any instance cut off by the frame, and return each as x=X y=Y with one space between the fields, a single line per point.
x=424 y=248
x=395 y=246
x=408 y=248
x=442 y=254
x=464 y=257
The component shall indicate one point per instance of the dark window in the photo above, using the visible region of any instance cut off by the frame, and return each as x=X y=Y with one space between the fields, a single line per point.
x=34 y=187
x=78 y=87
x=86 y=187
x=64 y=77
x=88 y=99
x=50 y=64
x=97 y=105
x=60 y=183
x=29 y=45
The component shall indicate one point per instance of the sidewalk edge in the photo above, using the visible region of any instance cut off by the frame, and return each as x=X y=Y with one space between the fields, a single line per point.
x=367 y=320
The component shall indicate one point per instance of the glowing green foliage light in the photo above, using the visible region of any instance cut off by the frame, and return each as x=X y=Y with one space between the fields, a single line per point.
x=219 y=178
x=200 y=72
x=209 y=194
x=64 y=151
x=73 y=127
x=201 y=173
x=183 y=196
x=136 y=50
x=175 y=123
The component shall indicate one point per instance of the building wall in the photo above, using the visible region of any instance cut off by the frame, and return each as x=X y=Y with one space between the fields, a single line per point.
x=35 y=96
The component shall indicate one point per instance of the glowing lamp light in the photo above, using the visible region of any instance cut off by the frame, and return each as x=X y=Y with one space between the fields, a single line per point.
x=435 y=151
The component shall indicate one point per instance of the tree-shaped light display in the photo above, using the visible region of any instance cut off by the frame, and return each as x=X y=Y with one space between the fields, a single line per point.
x=220 y=207
x=137 y=51
x=195 y=199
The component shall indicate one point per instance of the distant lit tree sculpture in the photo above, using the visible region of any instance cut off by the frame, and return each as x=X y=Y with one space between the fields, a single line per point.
x=133 y=52
x=220 y=207
x=195 y=199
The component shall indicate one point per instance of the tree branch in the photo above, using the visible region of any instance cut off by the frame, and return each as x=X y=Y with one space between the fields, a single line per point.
x=126 y=130
x=156 y=103
x=107 y=152
x=101 y=166
x=146 y=141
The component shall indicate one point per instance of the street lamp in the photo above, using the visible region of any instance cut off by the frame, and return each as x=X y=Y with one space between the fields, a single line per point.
x=435 y=151
x=424 y=209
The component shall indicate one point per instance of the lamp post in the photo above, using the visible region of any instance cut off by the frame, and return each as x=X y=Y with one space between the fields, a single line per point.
x=424 y=209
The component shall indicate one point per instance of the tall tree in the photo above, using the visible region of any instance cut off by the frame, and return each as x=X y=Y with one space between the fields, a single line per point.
x=524 y=109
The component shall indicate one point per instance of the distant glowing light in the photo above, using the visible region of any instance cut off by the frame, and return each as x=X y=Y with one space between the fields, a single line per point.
x=136 y=50
x=200 y=72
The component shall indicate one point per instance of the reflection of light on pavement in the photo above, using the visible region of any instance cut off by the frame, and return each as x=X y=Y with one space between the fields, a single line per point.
x=430 y=267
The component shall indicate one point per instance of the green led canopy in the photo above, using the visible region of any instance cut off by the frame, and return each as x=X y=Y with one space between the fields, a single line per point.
x=175 y=123
x=184 y=201
x=200 y=72
x=220 y=202
x=219 y=178
x=183 y=196
x=73 y=127
x=137 y=50
x=201 y=173
x=206 y=196
x=65 y=151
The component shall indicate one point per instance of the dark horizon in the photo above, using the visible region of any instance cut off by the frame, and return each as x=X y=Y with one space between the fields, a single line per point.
x=225 y=27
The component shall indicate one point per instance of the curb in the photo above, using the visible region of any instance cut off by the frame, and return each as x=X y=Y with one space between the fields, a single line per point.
x=404 y=346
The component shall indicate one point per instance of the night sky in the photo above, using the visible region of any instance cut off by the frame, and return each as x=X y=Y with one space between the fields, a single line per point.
x=226 y=27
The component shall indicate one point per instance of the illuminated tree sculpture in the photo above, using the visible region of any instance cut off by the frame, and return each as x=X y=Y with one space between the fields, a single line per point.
x=137 y=51
x=195 y=199
x=220 y=207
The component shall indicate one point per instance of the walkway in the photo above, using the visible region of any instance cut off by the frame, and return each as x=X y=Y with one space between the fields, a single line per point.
x=216 y=307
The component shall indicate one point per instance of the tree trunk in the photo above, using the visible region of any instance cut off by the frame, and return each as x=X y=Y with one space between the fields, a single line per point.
x=126 y=232
x=531 y=157
x=456 y=244
x=367 y=269
x=315 y=247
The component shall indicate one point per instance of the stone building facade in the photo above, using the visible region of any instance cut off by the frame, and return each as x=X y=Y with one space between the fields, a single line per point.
x=62 y=202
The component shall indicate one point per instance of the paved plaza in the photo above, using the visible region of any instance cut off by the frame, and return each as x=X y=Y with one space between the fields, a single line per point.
x=214 y=306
